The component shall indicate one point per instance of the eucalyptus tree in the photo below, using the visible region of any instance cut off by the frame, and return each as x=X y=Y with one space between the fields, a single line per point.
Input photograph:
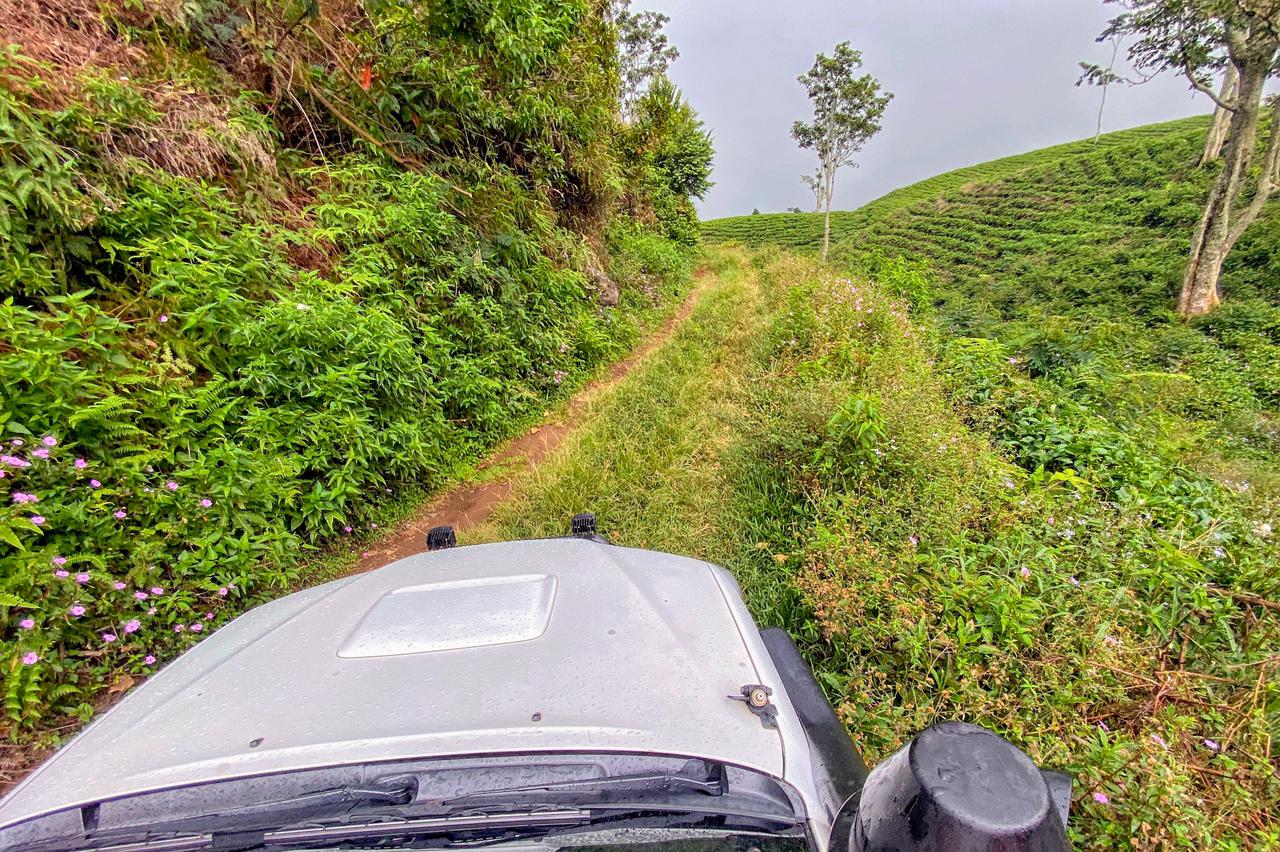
x=644 y=51
x=1201 y=39
x=847 y=108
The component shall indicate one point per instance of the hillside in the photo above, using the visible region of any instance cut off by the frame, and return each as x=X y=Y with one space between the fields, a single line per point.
x=264 y=269
x=1045 y=503
x=1114 y=152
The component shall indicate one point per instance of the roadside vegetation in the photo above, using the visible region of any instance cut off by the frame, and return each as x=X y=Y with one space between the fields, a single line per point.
x=1046 y=503
x=264 y=265
x=850 y=472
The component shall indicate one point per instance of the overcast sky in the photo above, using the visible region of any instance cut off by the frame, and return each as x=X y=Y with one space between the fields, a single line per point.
x=972 y=79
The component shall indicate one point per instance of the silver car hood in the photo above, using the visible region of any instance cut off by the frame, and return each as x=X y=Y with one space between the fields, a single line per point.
x=552 y=645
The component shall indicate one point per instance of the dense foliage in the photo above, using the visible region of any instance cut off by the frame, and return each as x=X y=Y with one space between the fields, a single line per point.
x=1047 y=504
x=278 y=262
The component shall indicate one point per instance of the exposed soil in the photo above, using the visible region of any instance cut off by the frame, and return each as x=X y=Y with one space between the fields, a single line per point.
x=468 y=503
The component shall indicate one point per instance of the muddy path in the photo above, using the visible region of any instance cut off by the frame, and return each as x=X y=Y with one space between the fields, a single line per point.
x=468 y=504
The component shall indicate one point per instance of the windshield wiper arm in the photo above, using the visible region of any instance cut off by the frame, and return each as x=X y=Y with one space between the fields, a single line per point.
x=399 y=795
x=714 y=783
x=428 y=826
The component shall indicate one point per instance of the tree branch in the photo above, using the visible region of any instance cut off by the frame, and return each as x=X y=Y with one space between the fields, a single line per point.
x=1189 y=73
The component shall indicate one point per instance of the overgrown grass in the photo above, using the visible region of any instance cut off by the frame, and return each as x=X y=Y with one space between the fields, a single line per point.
x=801 y=430
x=1142 y=458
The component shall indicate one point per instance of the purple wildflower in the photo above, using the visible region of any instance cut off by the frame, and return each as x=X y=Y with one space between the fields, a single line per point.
x=149 y=660
x=82 y=578
x=14 y=461
x=157 y=590
x=93 y=483
x=171 y=485
x=164 y=318
x=108 y=637
x=40 y=453
x=121 y=514
x=208 y=616
x=30 y=658
x=140 y=595
x=206 y=503
x=59 y=560
x=27 y=623
x=346 y=529
x=1101 y=798
x=23 y=497
x=1159 y=740
x=61 y=575
x=49 y=441
x=17 y=442
x=1073 y=581
x=76 y=611
x=118 y=586
x=38 y=520
x=132 y=626
x=81 y=464
x=178 y=628
x=196 y=627
x=1024 y=571
x=223 y=591
x=1212 y=745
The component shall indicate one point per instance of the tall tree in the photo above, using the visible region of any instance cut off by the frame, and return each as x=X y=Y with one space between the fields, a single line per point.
x=847 y=109
x=644 y=52
x=1200 y=39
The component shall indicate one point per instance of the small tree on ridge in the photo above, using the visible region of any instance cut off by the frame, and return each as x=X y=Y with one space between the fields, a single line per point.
x=846 y=113
x=1200 y=39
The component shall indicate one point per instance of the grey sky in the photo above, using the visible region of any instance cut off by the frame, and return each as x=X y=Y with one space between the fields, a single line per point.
x=972 y=79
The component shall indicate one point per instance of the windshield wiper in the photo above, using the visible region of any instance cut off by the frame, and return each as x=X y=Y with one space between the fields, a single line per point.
x=713 y=783
x=197 y=831
x=424 y=826
x=151 y=843
x=402 y=794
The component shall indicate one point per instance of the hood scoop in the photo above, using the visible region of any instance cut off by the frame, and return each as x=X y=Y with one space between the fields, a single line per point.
x=454 y=615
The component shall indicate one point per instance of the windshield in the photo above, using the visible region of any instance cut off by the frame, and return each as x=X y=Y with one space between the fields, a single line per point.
x=440 y=803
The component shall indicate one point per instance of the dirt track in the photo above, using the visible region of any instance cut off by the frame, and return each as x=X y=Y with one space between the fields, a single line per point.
x=471 y=503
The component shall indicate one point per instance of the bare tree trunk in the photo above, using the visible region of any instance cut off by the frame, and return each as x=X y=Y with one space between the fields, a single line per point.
x=1221 y=117
x=1216 y=232
x=1101 y=106
x=1115 y=49
x=828 y=190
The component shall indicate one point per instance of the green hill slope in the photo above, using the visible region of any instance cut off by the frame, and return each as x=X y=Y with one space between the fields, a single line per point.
x=1102 y=597
x=1116 y=153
